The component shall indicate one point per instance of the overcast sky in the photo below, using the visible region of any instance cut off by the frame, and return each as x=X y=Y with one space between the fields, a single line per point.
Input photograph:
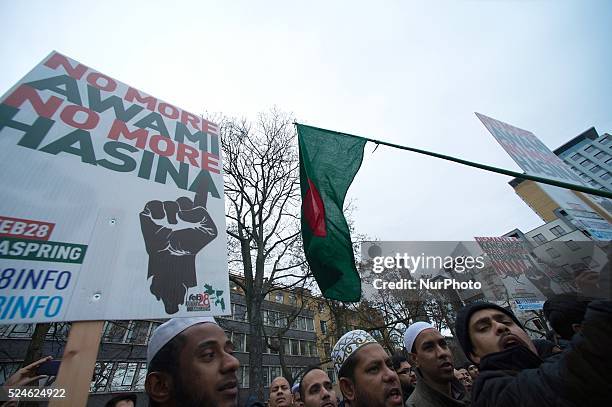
x=406 y=72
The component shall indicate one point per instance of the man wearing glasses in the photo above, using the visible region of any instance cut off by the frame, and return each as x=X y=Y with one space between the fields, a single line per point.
x=405 y=373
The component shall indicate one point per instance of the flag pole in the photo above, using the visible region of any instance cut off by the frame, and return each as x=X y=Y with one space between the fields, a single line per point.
x=561 y=184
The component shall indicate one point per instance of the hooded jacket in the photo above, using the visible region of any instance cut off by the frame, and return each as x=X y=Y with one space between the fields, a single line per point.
x=580 y=376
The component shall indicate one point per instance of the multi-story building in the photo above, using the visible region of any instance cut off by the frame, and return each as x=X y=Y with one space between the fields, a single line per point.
x=590 y=156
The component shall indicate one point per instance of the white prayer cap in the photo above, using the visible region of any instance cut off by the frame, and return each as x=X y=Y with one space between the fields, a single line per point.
x=295 y=388
x=348 y=344
x=168 y=330
x=413 y=331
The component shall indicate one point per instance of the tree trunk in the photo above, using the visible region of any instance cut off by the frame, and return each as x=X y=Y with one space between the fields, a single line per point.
x=35 y=348
x=255 y=345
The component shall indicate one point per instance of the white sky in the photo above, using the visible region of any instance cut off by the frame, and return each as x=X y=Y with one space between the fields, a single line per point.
x=407 y=72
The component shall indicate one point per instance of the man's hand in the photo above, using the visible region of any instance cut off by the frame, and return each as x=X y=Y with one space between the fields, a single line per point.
x=27 y=374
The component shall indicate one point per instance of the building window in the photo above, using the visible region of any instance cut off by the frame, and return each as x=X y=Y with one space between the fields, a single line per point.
x=243 y=377
x=595 y=169
x=58 y=331
x=7 y=370
x=309 y=324
x=327 y=349
x=579 y=267
x=605 y=176
x=239 y=341
x=572 y=245
x=5 y=329
x=323 y=326
x=604 y=140
x=239 y=312
x=275 y=371
x=576 y=157
x=539 y=238
x=301 y=323
x=588 y=260
x=279 y=297
x=292 y=299
x=601 y=155
x=557 y=231
x=313 y=348
x=123 y=376
x=274 y=345
x=102 y=373
x=115 y=331
x=295 y=347
x=22 y=331
x=588 y=149
x=586 y=163
x=297 y=370
x=138 y=332
x=140 y=377
x=553 y=253
x=593 y=183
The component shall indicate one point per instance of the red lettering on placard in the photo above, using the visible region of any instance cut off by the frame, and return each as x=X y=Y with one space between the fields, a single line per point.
x=75 y=72
x=25 y=228
x=25 y=92
x=133 y=94
x=69 y=116
x=210 y=162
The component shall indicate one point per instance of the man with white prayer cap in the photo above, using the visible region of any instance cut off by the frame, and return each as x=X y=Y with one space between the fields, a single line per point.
x=191 y=364
x=436 y=382
x=365 y=372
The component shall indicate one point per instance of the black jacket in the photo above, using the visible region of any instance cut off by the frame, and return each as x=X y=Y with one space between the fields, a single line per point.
x=580 y=376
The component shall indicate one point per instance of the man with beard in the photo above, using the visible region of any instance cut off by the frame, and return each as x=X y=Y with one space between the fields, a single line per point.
x=405 y=373
x=365 y=372
x=512 y=373
x=191 y=364
x=436 y=383
x=280 y=393
x=316 y=389
x=464 y=377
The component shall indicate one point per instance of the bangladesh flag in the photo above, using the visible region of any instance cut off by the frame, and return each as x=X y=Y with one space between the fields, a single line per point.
x=328 y=164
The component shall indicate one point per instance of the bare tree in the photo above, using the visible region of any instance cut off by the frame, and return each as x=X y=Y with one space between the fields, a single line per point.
x=262 y=211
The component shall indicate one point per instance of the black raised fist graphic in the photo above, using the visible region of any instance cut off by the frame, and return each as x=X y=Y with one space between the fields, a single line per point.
x=174 y=232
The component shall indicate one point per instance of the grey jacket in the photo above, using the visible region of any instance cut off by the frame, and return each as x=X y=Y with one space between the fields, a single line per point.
x=426 y=396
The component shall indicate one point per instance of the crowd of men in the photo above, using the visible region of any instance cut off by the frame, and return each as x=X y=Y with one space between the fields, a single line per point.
x=191 y=363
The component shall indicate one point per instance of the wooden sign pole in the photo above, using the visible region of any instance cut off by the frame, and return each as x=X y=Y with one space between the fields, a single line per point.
x=78 y=363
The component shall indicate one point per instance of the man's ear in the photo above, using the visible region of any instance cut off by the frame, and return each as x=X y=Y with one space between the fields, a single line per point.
x=347 y=387
x=159 y=386
x=413 y=359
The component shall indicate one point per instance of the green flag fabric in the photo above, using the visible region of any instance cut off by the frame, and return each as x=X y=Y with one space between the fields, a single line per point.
x=328 y=164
